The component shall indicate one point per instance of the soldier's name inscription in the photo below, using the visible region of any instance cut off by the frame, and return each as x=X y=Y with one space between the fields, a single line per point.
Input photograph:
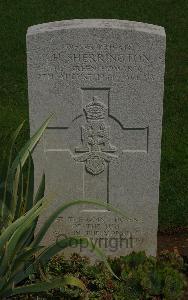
x=98 y=62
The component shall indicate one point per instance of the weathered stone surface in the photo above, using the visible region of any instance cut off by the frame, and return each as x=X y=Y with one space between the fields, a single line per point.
x=104 y=81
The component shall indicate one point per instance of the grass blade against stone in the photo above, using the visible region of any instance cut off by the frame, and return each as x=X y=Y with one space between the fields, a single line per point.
x=12 y=244
x=13 y=227
x=46 y=286
x=18 y=194
x=4 y=204
x=29 y=193
x=23 y=156
x=41 y=190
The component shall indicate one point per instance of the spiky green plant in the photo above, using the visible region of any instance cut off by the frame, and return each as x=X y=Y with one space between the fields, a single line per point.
x=20 y=251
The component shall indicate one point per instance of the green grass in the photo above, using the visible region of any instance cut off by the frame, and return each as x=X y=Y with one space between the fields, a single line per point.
x=17 y=15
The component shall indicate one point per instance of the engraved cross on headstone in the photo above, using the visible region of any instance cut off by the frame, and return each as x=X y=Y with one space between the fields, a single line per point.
x=96 y=150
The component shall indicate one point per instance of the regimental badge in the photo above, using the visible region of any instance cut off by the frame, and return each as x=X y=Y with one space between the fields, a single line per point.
x=95 y=137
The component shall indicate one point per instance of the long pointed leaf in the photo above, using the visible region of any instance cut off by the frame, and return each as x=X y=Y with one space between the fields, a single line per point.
x=19 y=222
x=46 y=286
x=18 y=187
x=22 y=157
x=29 y=146
x=29 y=185
x=20 y=260
x=41 y=190
x=27 y=238
x=4 y=205
x=13 y=242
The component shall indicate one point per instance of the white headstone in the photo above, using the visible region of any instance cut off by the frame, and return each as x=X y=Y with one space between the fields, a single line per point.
x=104 y=81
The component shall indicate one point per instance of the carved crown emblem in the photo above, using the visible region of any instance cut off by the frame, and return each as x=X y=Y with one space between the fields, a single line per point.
x=95 y=110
